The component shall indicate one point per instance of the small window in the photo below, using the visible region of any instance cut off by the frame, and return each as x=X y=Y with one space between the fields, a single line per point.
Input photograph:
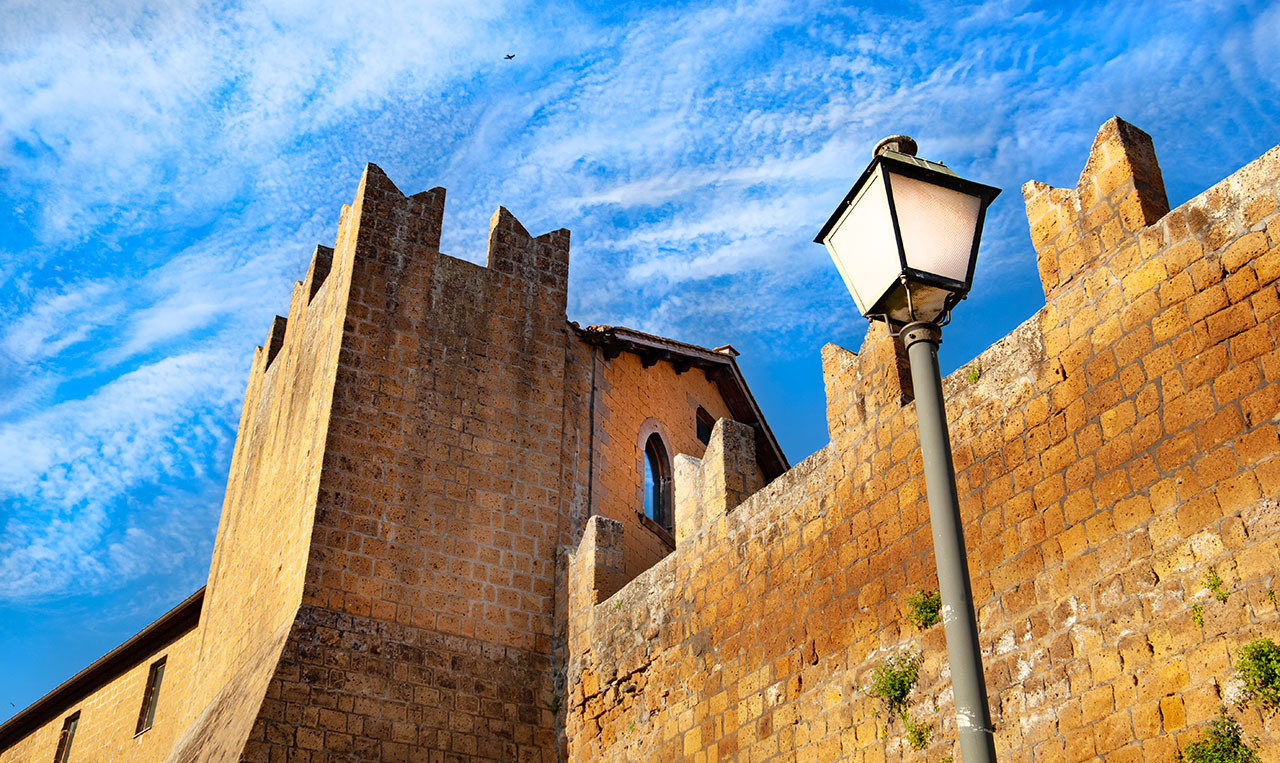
x=657 y=484
x=705 y=425
x=64 y=741
x=147 y=715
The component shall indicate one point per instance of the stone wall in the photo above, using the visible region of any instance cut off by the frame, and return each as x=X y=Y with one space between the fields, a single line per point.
x=1112 y=450
x=426 y=621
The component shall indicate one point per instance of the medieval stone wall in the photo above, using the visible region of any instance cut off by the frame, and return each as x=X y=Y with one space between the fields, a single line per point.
x=1111 y=450
x=426 y=622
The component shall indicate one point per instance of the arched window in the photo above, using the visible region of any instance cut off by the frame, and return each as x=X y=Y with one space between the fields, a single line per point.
x=657 y=484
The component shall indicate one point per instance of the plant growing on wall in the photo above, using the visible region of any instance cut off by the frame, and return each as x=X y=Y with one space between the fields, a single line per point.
x=918 y=732
x=1213 y=582
x=923 y=607
x=1197 y=615
x=1222 y=742
x=893 y=681
x=1258 y=666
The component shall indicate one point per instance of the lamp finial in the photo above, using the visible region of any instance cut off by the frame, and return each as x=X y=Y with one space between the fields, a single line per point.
x=903 y=144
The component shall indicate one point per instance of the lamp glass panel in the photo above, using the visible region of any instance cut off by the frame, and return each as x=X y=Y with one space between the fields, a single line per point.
x=864 y=247
x=938 y=225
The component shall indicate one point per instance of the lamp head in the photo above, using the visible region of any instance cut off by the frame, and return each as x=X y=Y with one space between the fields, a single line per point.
x=905 y=237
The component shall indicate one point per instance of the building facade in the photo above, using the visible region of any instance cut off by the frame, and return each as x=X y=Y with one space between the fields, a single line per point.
x=459 y=527
x=419 y=439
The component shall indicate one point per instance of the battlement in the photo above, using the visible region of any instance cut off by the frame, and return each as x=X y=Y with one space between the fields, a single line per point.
x=317 y=271
x=712 y=486
x=1111 y=449
x=393 y=231
x=1120 y=192
x=403 y=391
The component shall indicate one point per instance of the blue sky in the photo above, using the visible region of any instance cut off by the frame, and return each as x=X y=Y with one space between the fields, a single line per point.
x=168 y=168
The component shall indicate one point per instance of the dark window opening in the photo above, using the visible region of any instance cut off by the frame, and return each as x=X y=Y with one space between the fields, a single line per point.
x=705 y=425
x=657 y=484
x=147 y=715
x=64 y=740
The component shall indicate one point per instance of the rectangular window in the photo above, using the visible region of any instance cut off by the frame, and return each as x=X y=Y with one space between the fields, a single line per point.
x=64 y=741
x=147 y=714
x=705 y=425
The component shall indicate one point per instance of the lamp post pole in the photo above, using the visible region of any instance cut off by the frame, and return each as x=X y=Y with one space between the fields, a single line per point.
x=973 y=718
x=905 y=240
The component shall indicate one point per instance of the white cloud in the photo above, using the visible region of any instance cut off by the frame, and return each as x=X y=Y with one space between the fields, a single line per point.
x=63 y=469
x=181 y=159
x=59 y=319
x=96 y=446
x=113 y=112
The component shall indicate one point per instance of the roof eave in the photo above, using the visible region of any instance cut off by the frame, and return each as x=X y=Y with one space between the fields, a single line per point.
x=166 y=629
x=719 y=366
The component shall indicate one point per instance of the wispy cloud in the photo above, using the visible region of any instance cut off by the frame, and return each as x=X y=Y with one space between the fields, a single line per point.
x=65 y=467
x=145 y=114
x=57 y=320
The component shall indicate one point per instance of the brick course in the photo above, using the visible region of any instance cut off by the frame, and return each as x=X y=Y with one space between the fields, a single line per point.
x=1118 y=444
x=430 y=546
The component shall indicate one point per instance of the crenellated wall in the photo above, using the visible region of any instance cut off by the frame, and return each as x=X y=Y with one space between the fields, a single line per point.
x=420 y=554
x=1111 y=450
x=426 y=616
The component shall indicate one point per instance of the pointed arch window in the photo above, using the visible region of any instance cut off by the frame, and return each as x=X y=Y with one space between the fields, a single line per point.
x=657 y=483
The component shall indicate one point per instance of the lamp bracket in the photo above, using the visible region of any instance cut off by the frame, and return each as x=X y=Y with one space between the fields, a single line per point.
x=921 y=331
x=896 y=331
x=906 y=287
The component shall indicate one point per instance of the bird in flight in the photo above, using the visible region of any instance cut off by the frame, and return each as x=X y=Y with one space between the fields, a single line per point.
x=509 y=56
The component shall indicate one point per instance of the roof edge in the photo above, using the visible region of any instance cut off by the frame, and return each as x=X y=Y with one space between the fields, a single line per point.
x=721 y=369
x=166 y=629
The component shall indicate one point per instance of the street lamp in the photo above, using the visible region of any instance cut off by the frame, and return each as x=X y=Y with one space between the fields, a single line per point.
x=905 y=239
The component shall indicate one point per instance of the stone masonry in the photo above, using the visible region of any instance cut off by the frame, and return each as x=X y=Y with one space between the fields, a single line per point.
x=1113 y=448
x=419 y=439
x=433 y=548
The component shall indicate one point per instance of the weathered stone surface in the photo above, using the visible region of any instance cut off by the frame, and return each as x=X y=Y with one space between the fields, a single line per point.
x=1109 y=451
x=432 y=545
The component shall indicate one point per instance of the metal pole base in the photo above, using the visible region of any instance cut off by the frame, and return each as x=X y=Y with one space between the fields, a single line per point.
x=973 y=718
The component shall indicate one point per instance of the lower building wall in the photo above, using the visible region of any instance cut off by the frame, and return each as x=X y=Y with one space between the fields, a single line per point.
x=109 y=716
x=356 y=688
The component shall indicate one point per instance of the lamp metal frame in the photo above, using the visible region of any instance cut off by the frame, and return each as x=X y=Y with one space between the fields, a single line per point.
x=884 y=165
